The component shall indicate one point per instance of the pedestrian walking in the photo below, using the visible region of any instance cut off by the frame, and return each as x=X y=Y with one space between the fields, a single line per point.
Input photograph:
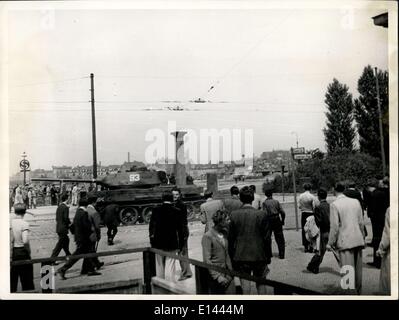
x=215 y=252
x=95 y=236
x=75 y=195
x=257 y=203
x=30 y=198
x=18 y=196
x=247 y=241
x=347 y=233
x=166 y=233
x=34 y=197
x=208 y=209
x=306 y=205
x=53 y=195
x=322 y=220
x=111 y=220
x=48 y=195
x=82 y=229
x=384 y=251
x=62 y=228
x=275 y=221
x=20 y=250
x=179 y=204
x=379 y=203
x=232 y=203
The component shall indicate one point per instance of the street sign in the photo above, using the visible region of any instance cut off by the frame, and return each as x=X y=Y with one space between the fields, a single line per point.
x=298 y=150
x=24 y=164
x=302 y=156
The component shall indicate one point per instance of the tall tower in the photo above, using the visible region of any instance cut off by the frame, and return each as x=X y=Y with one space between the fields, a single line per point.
x=179 y=168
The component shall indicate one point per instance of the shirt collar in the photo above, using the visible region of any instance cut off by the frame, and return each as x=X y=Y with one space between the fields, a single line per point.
x=247 y=205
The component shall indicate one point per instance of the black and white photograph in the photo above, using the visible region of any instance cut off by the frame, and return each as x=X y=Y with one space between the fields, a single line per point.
x=212 y=149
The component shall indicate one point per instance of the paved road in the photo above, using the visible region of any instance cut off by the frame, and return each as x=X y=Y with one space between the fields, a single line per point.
x=291 y=270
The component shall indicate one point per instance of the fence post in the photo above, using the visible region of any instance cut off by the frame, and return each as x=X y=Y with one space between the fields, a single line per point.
x=201 y=280
x=149 y=270
x=278 y=290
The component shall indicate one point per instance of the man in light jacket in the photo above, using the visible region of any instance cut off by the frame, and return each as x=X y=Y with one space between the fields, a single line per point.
x=347 y=233
x=208 y=209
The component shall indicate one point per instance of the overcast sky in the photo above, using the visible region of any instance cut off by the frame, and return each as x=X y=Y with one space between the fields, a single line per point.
x=269 y=69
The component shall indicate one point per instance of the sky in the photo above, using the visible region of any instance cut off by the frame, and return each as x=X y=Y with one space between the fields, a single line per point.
x=269 y=70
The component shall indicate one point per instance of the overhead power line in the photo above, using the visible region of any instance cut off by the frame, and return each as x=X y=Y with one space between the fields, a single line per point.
x=48 y=82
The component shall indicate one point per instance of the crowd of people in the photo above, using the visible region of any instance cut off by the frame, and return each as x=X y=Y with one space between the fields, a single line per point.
x=33 y=195
x=85 y=227
x=237 y=236
x=238 y=233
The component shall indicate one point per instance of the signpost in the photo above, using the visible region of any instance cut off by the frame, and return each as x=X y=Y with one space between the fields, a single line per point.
x=294 y=185
x=24 y=165
x=298 y=150
x=302 y=156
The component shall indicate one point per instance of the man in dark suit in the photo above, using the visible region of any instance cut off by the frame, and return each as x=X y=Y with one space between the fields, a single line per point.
x=111 y=221
x=166 y=233
x=179 y=204
x=62 y=227
x=378 y=206
x=275 y=220
x=247 y=241
x=82 y=229
x=322 y=219
x=233 y=203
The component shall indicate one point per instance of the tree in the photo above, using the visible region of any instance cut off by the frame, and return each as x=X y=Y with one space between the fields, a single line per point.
x=339 y=133
x=366 y=112
x=353 y=166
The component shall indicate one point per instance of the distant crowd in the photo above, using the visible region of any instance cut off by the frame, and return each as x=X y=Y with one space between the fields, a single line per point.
x=47 y=195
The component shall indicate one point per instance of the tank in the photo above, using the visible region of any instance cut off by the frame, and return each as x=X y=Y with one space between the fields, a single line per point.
x=138 y=192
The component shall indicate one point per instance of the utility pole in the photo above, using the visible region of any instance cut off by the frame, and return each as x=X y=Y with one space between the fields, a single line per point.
x=384 y=169
x=24 y=165
x=294 y=185
x=93 y=126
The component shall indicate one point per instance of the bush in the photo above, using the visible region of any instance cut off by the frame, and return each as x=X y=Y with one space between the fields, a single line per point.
x=355 y=166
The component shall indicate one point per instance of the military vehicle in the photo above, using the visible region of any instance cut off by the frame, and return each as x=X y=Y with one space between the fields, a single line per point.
x=137 y=193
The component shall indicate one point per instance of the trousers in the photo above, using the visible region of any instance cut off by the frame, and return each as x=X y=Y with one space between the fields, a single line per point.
x=22 y=272
x=318 y=257
x=275 y=226
x=88 y=264
x=185 y=266
x=166 y=267
x=62 y=244
x=353 y=258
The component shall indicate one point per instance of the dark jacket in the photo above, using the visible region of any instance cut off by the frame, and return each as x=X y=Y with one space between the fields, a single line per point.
x=273 y=209
x=355 y=194
x=379 y=204
x=111 y=214
x=247 y=234
x=322 y=216
x=62 y=219
x=82 y=226
x=179 y=204
x=166 y=228
x=232 y=204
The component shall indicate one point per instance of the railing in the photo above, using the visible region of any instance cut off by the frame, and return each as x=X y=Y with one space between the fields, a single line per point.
x=201 y=271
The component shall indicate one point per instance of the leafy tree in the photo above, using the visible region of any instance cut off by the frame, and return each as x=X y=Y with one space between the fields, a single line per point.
x=354 y=166
x=339 y=132
x=366 y=112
